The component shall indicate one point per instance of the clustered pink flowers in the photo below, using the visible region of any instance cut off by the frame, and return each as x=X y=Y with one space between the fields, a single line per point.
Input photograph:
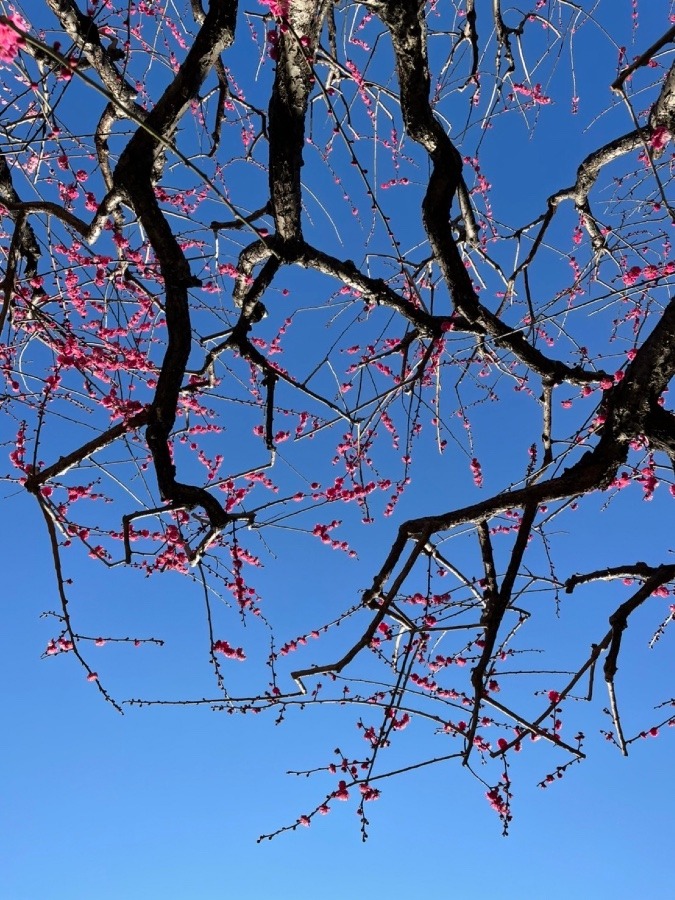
x=660 y=137
x=10 y=40
x=229 y=651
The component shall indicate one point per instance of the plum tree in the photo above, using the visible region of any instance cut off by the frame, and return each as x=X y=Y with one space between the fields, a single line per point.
x=279 y=277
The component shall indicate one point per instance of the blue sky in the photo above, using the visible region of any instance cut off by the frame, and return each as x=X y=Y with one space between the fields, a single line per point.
x=168 y=802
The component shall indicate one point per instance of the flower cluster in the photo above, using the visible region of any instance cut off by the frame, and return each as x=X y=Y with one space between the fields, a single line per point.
x=10 y=39
x=229 y=651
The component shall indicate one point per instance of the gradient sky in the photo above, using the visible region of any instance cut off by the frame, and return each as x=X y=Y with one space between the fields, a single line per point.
x=169 y=803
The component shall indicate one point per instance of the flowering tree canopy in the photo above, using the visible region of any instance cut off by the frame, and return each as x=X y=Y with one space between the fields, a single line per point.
x=385 y=278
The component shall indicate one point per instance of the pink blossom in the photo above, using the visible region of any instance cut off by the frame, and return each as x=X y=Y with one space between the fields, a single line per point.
x=474 y=465
x=534 y=93
x=631 y=276
x=342 y=793
x=660 y=137
x=403 y=722
x=278 y=8
x=368 y=793
x=497 y=802
x=228 y=651
x=10 y=41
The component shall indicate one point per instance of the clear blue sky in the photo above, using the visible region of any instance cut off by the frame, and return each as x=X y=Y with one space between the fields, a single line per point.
x=168 y=803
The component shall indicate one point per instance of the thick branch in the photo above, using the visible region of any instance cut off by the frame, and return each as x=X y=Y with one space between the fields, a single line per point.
x=84 y=33
x=405 y=21
x=134 y=175
x=287 y=110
